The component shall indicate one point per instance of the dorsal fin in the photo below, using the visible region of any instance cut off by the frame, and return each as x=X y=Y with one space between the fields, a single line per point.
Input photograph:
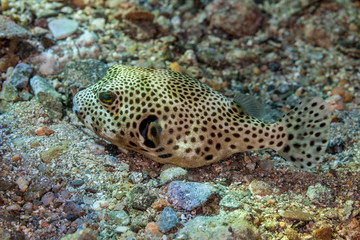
x=250 y=105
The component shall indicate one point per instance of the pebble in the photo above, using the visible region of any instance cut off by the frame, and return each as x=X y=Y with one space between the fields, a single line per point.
x=138 y=177
x=320 y=194
x=171 y=174
x=245 y=17
x=77 y=183
x=343 y=93
x=47 y=198
x=37 y=188
x=142 y=197
x=72 y=208
x=139 y=222
x=42 y=85
x=168 y=220
x=274 y=66
x=152 y=228
x=189 y=195
x=63 y=27
x=16 y=157
x=336 y=102
x=119 y=217
x=323 y=233
x=81 y=74
x=210 y=56
x=13 y=207
x=218 y=227
x=260 y=188
x=296 y=215
x=23 y=184
x=86 y=39
x=20 y=76
x=82 y=234
x=6 y=185
x=43 y=131
x=121 y=229
x=96 y=149
x=97 y=205
x=28 y=207
x=234 y=199
x=98 y=23
x=72 y=217
x=10 y=30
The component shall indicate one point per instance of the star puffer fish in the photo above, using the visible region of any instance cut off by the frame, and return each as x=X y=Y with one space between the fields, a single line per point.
x=173 y=118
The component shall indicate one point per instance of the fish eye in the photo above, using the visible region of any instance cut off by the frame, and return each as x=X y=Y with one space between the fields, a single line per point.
x=107 y=97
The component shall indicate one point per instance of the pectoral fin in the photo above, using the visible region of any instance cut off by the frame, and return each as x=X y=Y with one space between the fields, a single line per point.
x=250 y=105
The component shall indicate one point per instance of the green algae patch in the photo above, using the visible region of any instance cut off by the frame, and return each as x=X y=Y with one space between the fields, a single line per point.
x=54 y=152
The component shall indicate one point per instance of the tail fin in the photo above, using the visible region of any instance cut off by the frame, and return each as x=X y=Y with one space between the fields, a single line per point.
x=307 y=133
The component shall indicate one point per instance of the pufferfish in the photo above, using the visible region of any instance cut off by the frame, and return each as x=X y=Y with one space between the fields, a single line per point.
x=173 y=118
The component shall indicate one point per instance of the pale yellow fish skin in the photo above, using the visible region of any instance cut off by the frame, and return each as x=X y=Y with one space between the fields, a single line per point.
x=197 y=125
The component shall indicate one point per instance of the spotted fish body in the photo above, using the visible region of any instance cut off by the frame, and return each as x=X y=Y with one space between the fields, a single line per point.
x=173 y=118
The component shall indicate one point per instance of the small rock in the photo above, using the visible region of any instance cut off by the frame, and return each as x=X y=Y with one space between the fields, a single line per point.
x=189 y=195
x=42 y=85
x=260 y=188
x=320 y=194
x=16 y=157
x=61 y=28
x=96 y=149
x=38 y=187
x=20 y=76
x=336 y=102
x=335 y=146
x=13 y=207
x=343 y=93
x=104 y=204
x=218 y=227
x=171 y=174
x=53 y=152
x=234 y=199
x=323 y=233
x=142 y=197
x=297 y=215
x=72 y=208
x=168 y=220
x=23 y=184
x=43 y=131
x=274 y=66
x=139 y=15
x=28 y=207
x=86 y=39
x=236 y=18
x=6 y=185
x=9 y=29
x=80 y=74
x=121 y=229
x=82 y=234
x=77 y=183
x=139 y=222
x=97 y=205
x=47 y=199
x=98 y=23
x=138 y=177
x=152 y=228
x=210 y=56
x=72 y=217
x=120 y=217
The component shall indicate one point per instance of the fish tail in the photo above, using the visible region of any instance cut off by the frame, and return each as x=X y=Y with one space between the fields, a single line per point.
x=307 y=126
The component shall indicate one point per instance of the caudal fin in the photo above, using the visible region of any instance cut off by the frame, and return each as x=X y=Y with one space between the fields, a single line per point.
x=307 y=133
